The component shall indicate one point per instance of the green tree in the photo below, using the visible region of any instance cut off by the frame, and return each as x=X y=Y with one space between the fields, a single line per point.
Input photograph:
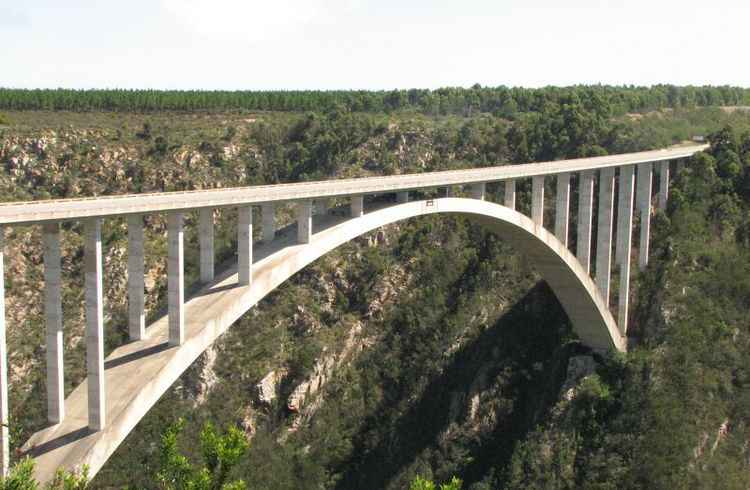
x=221 y=453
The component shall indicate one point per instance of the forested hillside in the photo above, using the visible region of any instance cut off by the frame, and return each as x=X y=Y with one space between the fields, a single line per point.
x=500 y=101
x=429 y=347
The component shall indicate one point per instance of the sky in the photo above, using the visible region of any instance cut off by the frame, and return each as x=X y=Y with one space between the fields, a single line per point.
x=371 y=44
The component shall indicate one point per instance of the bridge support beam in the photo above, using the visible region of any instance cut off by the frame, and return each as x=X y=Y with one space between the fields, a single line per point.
x=268 y=212
x=4 y=433
x=624 y=241
x=450 y=191
x=643 y=198
x=358 y=206
x=537 y=200
x=54 y=320
x=478 y=190
x=304 y=222
x=604 y=231
x=94 y=323
x=321 y=206
x=562 y=207
x=585 y=214
x=402 y=197
x=206 y=232
x=510 y=194
x=136 y=279
x=663 y=185
x=176 y=278
x=245 y=245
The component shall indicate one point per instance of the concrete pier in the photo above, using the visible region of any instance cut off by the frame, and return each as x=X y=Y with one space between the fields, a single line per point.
x=509 y=200
x=643 y=199
x=537 y=200
x=358 y=206
x=268 y=213
x=136 y=279
x=175 y=279
x=304 y=221
x=206 y=239
x=402 y=197
x=585 y=214
x=245 y=245
x=562 y=207
x=450 y=191
x=4 y=433
x=624 y=239
x=94 y=323
x=663 y=185
x=54 y=320
x=477 y=191
x=321 y=207
x=604 y=231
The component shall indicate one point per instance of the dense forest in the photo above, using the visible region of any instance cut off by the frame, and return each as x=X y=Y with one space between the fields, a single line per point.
x=438 y=353
x=500 y=101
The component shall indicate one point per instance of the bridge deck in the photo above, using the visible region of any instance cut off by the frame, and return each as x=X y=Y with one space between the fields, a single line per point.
x=67 y=209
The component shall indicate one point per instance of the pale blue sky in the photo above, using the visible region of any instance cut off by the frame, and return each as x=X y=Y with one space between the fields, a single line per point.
x=371 y=44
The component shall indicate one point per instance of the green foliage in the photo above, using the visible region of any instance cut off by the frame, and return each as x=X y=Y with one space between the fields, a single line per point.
x=420 y=483
x=221 y=453
x=4 y=119
x=500 y=101
x=21 y=477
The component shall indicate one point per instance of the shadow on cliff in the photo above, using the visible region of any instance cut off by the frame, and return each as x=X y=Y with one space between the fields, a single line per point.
x=527 y=346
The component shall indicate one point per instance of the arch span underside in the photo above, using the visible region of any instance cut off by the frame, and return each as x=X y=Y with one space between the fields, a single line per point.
x=139 y=373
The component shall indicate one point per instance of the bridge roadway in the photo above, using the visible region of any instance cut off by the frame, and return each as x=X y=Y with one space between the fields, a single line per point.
x=139 y=372
x=69 y=209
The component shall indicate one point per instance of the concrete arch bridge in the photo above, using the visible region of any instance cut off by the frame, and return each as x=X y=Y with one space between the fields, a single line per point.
x=88 y=425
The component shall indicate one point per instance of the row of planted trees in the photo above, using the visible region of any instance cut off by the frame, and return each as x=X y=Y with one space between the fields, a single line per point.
x=504 y=101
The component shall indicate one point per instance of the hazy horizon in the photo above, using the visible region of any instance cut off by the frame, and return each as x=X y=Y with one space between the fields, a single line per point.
x=368 y=45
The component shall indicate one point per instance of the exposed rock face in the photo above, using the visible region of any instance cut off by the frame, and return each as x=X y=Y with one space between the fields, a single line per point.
x=322 y=372
x=578 y=368
x=267 y=389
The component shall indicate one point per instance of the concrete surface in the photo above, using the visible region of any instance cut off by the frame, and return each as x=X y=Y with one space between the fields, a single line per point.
x=138 y=373
x=67 y=209
x=54 y=320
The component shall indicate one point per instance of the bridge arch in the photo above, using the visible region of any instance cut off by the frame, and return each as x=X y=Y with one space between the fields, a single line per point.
x=139 y=373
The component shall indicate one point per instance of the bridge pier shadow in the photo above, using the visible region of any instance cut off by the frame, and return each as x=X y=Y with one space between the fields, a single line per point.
x=532 y=333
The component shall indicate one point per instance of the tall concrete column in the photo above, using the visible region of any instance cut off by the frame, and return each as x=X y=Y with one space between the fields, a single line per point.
x=604 y=231
x=53 y=316
x=402 y=197
x=643 y=198
x=450 y=192
x=176 y=278
x=4 y=433
x=358 y=206
x=537 y=200
x=206 y=229
x=245 y=245
x=663 y=185
x=321 y=206
x=136 y=279
x=94 y=323
x=268 y=211
x=624 y=238
x=510 y=194
x=478 y=190
x=562 y=207
x=304 y=222
x=585 y=214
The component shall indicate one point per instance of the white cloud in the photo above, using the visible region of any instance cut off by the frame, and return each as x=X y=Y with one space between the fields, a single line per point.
x=251 y=20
